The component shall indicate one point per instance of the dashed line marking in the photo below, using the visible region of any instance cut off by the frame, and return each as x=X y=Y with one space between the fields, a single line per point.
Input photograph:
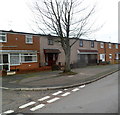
x=53 y=100
x=44 y=98
x=65 y=94
x=9 y=111
x=76 y=89
x=57 y=93
x=82 y=86
x=37 y=107
x=26 y=105
x=65 y=89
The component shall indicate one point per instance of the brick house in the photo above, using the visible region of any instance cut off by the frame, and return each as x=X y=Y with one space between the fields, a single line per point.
x=108 y=52
x=19 y=51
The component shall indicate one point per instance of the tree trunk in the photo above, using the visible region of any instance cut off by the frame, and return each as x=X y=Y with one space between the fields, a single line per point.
x=67 y=60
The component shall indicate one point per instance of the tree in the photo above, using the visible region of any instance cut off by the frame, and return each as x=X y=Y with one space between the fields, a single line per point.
x=66 y=19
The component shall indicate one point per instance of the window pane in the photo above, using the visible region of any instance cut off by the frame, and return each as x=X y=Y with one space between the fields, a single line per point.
x=14 y=59
x=29 y=39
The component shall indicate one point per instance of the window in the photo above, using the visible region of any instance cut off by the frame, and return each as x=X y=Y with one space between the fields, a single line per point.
x=28 y=57
x=116 y=46
x=117 y=57
x=109 y=45
x=3 y=37
x=14 y=59
x=92 y=44
x=110 y=56
x=50 y=41
x=29 y=39
x=102 y=57
x=81 y=43
x=101 y=45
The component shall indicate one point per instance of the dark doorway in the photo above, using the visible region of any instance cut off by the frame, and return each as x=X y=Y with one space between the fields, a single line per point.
x=4 y=62
x=51 y=58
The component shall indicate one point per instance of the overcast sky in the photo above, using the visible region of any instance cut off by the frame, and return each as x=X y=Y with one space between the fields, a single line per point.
x=16 y=15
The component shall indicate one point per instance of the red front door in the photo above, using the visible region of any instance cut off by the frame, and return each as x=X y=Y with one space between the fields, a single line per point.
x=51 y=59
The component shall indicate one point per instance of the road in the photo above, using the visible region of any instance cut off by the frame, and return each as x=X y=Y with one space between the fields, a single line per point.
x=97 y=97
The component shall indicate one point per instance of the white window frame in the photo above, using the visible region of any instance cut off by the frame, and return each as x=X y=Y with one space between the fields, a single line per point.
x=1 y=35
x=19 y=60
x=101 y=57
x=102 y=45
x=117 y=56
x=23 y=55
x=29 y=37
x=116 y=46
x=110 y=56
x=110 y=45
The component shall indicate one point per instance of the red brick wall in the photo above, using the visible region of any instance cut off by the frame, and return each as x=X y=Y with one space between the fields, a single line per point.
x=106 y=50
x=18 y=40
x=26 y=66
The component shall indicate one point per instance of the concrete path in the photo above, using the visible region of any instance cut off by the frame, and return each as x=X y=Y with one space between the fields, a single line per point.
x=52 y=79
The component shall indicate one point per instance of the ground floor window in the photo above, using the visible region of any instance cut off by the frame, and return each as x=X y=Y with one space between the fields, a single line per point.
x=17 y=58
x=110 y=56
x=28 y=57
x=116 y=57
x=14 y=59
x=102 y=57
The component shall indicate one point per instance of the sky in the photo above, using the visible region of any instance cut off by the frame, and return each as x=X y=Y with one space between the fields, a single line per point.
x=16 y=15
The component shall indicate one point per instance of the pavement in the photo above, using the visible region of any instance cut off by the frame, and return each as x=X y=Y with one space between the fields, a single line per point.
x=54 y=80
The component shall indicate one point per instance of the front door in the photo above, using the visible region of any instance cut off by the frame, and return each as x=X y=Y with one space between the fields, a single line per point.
x=51 y=59
x=4 y=62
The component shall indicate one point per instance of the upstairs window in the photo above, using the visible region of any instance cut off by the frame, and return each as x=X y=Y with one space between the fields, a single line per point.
x=101 y=45
x=3 y=37
x=50 y=41
x=92 y=44
x=81 y=43
x=116 y=46
x=109 y=46
x=29 y=39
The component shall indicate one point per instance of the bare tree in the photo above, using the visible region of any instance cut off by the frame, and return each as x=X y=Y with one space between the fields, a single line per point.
x=66 y=19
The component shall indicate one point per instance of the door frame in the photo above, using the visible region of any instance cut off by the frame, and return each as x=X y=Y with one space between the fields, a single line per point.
x=8 y=60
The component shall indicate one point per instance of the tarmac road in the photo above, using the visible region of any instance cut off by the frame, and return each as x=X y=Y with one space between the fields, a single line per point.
x=97 y=97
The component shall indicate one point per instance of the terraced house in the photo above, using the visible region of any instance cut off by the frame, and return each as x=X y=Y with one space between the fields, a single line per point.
x=109 y=52
x=27 y=51
x=19 y=51
x=83 y=52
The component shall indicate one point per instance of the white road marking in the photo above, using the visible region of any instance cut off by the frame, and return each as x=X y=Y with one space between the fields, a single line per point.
x=82 y=86
x=44 y=98
x=65 y=89
x=65 y=94
x=26 y=105
x=57 y=93
x=9 y=111
x=53 y=100
x=76 y=89
x=37 y=107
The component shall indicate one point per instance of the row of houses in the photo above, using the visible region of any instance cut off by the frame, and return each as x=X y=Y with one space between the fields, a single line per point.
x=28 y=51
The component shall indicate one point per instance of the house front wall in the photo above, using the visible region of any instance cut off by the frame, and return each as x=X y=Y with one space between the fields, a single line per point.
x=109 y=52
x=16 y=44
x=56 y=45
x=61 y=57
